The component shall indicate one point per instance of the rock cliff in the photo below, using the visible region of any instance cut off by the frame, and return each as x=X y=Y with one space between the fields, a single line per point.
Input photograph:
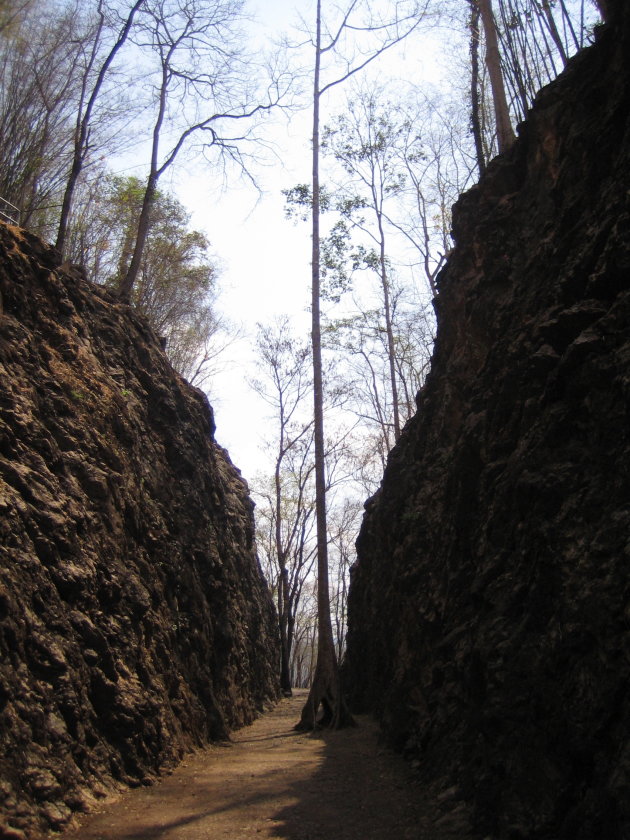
x=489 y=607
x=134 y=621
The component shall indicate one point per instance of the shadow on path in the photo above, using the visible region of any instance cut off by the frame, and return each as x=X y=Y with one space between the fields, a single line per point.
x=272 y=782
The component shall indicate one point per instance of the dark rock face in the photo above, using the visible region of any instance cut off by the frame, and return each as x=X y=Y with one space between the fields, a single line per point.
x=489 y=608
x=134 y=621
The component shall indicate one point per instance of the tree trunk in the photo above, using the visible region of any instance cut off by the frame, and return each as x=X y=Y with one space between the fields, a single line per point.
x=553 y=29
x=391 y=347
x=505 y=132
x=283 y=585
x=605 y=9
x=83 y=122
x=128 y=281
x=326 y=689
x=475 y=119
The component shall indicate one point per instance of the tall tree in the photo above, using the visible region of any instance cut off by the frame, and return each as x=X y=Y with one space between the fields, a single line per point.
x=204 y=82
x=39 y=57
x=505 y=132
x=475 y=105
x=87 y=102
x=366 y=140
x=285 y=385
x=326 y=688
x=527 y=43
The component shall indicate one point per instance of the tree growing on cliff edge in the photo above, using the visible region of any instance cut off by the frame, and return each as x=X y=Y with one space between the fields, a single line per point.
x=39 y=53
x=505 y=132
x=207 y=94
x=176 y=289
x=356 y=19
x=82 y=143
x=527 y=43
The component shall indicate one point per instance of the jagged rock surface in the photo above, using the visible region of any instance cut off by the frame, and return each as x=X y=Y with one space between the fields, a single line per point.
x=489 y=607
x=134 y=621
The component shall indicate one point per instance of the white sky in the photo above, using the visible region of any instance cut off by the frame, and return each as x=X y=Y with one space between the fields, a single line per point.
x=265 y=257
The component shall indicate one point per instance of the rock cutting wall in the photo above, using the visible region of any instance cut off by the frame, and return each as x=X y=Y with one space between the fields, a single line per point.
x=134 y=621
x=490 y=605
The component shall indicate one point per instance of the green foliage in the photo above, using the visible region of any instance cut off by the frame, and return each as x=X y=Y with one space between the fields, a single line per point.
x=299 y=202
x=176 y=288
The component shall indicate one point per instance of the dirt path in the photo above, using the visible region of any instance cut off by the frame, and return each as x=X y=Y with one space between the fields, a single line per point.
x=271 y=782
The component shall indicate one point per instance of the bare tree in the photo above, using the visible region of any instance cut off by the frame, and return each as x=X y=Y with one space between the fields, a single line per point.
x=475 y=104
x=87 y=102
x=361 y=347
x=364 y=140
x=204 y=83
x=326 y=689
x=11 y=14
x=285 y=385
x=38 y=90
x=439 y=164
x=344 y=527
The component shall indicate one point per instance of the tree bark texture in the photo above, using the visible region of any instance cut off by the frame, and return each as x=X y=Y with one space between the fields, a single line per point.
x=505 y=132
x=475 y=118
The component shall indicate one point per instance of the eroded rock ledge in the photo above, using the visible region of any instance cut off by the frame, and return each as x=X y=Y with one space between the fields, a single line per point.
x=134 y=622
x=489 y=617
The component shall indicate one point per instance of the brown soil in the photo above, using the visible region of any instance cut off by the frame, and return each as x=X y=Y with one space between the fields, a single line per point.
x=272 y=782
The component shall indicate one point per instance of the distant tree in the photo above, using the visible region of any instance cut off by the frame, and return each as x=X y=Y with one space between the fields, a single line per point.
x=364 y=139
x=304 y=650
x=205 y=83
x=284 y=383
x=439 y=164
x=360 y=344
x=344 y=527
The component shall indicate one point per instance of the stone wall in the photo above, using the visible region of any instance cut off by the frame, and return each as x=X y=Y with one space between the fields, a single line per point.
x=134 y=621
x=489 y=608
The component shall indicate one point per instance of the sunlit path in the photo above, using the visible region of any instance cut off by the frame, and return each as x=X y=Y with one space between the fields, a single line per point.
x=273 y=782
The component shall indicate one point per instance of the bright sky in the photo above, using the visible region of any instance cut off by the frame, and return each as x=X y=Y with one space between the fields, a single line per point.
x=265 y=258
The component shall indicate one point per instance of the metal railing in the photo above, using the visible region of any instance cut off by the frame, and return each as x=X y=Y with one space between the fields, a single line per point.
x=9 y=212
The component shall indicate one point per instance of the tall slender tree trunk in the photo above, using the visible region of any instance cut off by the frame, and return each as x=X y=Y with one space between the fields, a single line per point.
x=84 y=119
x=283 y=587
x=144 y=223
x=475 y=118
x=605 y=9
x=553 y=29
x=128 y=281
x=326 y=688
x=387 y=310
x=505 y=132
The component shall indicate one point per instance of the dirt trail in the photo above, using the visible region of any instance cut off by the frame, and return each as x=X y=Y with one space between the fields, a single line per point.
x=271 y=782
